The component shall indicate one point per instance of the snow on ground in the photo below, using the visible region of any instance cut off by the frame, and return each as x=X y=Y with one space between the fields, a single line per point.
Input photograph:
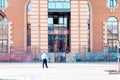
x=58 y=71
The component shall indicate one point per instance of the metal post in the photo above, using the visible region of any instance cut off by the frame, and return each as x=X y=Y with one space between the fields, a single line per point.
x=35 y=56
x=118 y=67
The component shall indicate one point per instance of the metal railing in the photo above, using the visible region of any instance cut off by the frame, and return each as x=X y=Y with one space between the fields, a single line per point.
x=33 y=53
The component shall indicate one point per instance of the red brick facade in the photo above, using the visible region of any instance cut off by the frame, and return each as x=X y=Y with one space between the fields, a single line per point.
x=16 y=13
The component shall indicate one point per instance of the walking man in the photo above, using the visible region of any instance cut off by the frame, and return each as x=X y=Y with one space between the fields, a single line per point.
x=44 y=59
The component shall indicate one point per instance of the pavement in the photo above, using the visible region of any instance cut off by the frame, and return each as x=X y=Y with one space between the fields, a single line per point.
x=58 y=71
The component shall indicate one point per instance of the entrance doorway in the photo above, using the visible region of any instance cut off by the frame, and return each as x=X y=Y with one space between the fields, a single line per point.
x=58 y=32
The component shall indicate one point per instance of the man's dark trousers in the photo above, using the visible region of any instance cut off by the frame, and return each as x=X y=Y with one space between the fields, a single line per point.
x=44 y=62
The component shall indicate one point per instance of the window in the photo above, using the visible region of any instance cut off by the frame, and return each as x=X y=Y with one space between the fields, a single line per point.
x=50 y=0
x=1 y=17
x=61 y=20
x=50 y=20
x=58 y=4
x=4 y=24
x=66 y=5
x=4 y=36
x=51 y=5
x=28 y=24
x=112 y=32
x=3 y=3
x=111 y=3
x=29 y=6
x=55 y=21
x=89 y=27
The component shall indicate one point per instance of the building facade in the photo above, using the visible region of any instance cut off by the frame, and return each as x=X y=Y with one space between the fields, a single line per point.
x=59 y=25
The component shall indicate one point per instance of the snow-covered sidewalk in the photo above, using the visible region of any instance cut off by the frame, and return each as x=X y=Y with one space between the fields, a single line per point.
x=58 y=71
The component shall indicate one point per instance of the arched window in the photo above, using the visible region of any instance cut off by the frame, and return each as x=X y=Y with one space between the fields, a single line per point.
x=88 y=23
x=3 y=3
x=111 y=3
x=112 y=32
x=28 y=24
x=3 y=34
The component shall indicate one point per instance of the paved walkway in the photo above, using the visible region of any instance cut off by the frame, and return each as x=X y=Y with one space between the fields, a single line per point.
x=58 y=71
